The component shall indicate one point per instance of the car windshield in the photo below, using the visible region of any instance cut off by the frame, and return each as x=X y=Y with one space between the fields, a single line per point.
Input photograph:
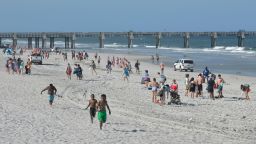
x=188 y=61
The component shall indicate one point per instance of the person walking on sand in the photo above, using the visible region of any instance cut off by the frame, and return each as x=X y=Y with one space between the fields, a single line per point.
x=210 y=87
x=157 y=58
x=246 y=89
x=51 y=92
x=101 y=106
x=93 y=67
x=206 y=73
x=192 y=87
x=187 y=83
x=154 y=85
x=137 y=67
x=220 y=83
x=153 y=59
x=92 y=104
x=199 y=83
x=69 y=71
x=162 y=68
x=99 y=59
x=126 y=73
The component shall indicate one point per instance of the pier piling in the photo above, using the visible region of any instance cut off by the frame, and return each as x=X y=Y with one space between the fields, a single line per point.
x=30 y=43
x=44 y=38
x=213 y=39
x=101 y=39
x=37 y=39
x=73 y=41
x=186 y=40
x=66 y=42
x=158 y=38
x=0 y=41
x=241 y=37
x=51 y=42
x=14 y=41
x=130 y=39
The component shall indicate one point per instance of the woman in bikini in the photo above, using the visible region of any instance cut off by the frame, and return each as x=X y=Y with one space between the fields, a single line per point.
x=154 y=86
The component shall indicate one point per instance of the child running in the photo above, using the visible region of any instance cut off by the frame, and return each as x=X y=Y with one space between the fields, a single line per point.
x=92 y=104
x=101 y=106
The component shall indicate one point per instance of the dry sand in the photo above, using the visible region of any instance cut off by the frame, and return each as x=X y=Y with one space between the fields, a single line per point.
x=27 y=118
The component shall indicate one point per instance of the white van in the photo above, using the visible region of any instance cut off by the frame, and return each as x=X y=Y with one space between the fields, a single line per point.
x=184 y=64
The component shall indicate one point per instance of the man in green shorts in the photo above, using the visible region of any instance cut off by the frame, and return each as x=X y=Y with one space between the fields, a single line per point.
x=102 y=114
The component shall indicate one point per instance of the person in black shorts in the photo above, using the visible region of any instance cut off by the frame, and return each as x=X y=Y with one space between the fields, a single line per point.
x=92 y=104
x=210 y=88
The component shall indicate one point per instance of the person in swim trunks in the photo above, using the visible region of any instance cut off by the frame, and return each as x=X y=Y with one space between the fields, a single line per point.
x=101 y=106
x=92 y=104
x=51 y=92
x=154 y=86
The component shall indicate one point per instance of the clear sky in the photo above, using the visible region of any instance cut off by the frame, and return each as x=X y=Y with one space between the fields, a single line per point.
x=126 y=15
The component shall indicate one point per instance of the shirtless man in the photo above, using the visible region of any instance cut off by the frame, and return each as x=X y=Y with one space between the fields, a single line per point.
x=154 y=86
x=101 y=106
x=51 y=92
x=199 y=83
x=92 y=104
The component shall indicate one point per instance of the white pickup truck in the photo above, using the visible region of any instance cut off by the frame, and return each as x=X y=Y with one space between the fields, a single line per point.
x=37 y=58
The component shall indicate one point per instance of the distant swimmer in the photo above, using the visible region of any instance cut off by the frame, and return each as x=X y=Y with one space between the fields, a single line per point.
x=101 y=106
x=51 y=92
x=92 y=104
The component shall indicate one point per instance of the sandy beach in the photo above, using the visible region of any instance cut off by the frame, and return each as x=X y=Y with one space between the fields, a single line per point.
x=27 y=118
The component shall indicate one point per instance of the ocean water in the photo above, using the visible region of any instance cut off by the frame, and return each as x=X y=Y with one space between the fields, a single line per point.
x=226 y=57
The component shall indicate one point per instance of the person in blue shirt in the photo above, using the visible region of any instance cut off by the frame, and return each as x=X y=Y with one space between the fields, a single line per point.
x=206 y=73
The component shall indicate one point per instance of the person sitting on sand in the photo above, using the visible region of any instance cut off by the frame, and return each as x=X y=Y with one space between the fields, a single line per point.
x=246 y=89
x=51 y=92
x=192 y=87
x=187 y=83
x=92 y=104
x=154 y=85
x=101 y=106
x=210 y=87
x=220 y=83
x=146 y=78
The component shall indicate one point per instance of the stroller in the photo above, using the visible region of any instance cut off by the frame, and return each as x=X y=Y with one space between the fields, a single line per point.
x=175 y=98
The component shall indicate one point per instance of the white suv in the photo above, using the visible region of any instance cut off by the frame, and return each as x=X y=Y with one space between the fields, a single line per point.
x=184 y=64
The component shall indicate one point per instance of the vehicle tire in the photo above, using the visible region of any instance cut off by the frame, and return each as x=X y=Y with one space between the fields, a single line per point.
x=40 y=63
x=186 y=70
x=191 y=70
x=180 y=69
